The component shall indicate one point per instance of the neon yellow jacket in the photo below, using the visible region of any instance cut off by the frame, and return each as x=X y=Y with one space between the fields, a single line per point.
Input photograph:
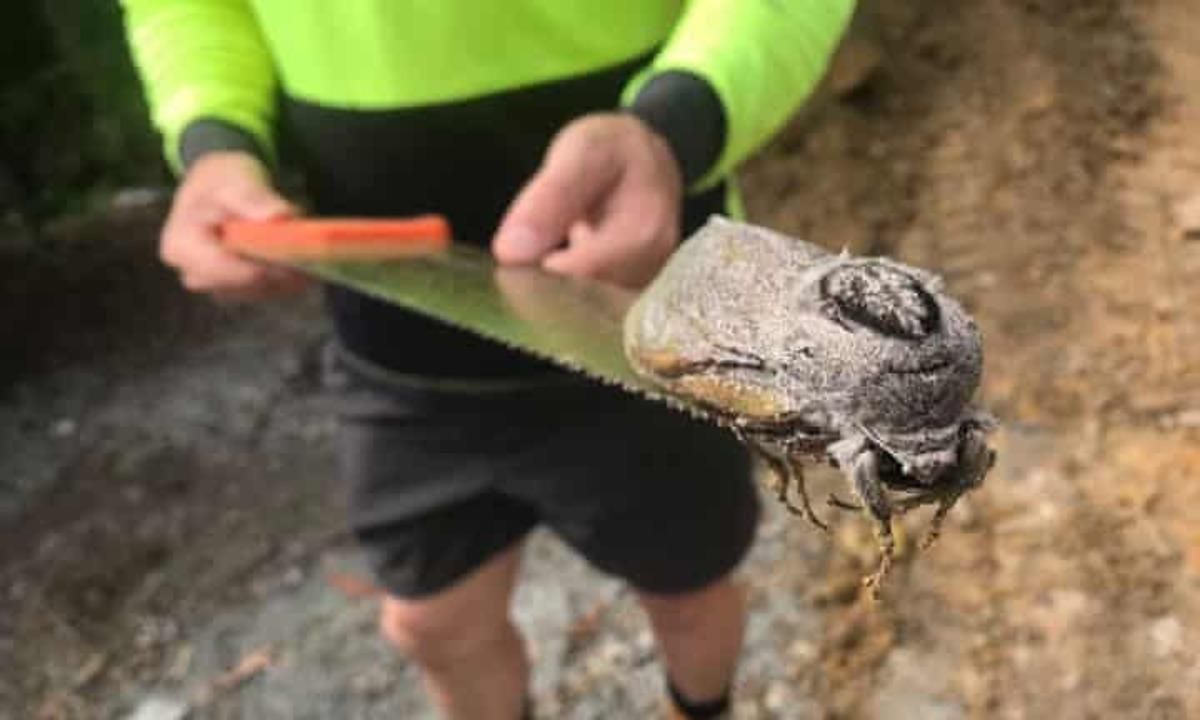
x=227 y=59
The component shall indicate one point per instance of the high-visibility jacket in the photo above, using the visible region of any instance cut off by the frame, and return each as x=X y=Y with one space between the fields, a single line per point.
x=394 y=107
x=225 y=59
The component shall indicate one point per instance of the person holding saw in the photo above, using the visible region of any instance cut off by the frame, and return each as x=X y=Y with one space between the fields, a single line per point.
x=584 y=137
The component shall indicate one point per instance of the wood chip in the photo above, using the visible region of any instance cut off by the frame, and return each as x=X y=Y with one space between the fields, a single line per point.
x=90 y=670
x=352 y=586
x=250 y=665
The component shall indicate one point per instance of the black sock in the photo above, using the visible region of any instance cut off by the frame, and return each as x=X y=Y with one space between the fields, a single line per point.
x=698 y=710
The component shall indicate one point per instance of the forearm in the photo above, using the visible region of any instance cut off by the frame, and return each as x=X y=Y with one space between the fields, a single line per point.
x=731 y=75
x=207 y=74
x=685 y=110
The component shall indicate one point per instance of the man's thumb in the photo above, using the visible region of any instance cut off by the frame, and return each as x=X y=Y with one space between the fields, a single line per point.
x=258 y=202
x=559 y=195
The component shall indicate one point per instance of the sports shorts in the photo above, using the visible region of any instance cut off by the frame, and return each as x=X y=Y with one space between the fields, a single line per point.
x=443 y=476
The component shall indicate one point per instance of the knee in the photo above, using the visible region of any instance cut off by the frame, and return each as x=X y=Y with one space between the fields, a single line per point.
x=682 y=612
x=433 y=636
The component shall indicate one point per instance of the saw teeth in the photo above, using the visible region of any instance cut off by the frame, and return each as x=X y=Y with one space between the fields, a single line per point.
x=330 y=273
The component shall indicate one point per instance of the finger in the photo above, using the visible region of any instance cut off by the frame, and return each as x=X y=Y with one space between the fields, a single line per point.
x=288 y=279
x=205 y=262
x=272 y=282
x=627 y=244
x=263 y=290
x=251 y=200
x=580 y=256
x=204 y=281
x=575 y=175
x=281 y=281
x=237 y=296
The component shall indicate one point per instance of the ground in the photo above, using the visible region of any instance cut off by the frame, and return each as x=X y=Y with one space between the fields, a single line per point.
x=170 y=530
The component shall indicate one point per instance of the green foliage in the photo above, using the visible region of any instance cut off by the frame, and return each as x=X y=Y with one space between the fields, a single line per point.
x=72 y=121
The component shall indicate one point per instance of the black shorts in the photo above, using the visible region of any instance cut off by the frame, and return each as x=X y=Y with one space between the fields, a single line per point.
x=443 y=478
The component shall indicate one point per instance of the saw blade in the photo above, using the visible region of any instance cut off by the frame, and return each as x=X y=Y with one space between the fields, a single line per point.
x=573 y=322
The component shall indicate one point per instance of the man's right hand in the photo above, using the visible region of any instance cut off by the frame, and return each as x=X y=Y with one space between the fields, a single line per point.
x=224 y=186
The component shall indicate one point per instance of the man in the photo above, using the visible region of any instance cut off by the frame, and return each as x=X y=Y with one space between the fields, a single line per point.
x=456 y=448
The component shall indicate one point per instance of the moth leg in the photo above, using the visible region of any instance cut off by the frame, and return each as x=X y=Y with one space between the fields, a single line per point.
x=977 y=460
x=783 y=479
x=864 y=475
x=784 y=473
x=835 y=501
x=945 y=498
x=797 y=471
x=911 y=502
x=777 y=468
x=946 y=502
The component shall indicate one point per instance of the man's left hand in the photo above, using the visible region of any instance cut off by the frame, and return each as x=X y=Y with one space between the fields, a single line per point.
x=605 y=203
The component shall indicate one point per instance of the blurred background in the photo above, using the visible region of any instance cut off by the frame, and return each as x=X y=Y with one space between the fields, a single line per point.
x=170 y=535
x=73 y=127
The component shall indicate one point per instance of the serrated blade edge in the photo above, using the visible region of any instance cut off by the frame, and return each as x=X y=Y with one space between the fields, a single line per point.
x=573 y=322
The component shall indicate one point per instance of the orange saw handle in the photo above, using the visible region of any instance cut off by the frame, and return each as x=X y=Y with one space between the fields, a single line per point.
x=337 y=238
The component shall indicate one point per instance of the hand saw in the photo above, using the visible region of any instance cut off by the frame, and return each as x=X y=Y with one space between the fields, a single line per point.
x=413 y=263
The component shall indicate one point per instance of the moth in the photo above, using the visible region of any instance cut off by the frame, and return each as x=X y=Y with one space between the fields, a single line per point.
x=865 y=363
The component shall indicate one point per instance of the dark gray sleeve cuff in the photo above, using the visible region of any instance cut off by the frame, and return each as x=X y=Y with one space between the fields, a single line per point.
x=685 y=110
x=209 y=135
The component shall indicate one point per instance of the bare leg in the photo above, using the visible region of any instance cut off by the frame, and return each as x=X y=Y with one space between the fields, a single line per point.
x=472 y=659
x=700 y=636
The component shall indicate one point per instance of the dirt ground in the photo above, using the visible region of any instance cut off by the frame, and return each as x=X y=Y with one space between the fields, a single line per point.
x=170 y=534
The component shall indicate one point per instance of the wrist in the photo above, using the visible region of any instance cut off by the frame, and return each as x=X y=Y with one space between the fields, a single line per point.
x=684 y=110
x=224 y=162
x=208 y=136
x=664 y=156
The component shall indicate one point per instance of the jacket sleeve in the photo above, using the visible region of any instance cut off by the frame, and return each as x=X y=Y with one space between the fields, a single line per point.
x=758 y=60
x=208 y=76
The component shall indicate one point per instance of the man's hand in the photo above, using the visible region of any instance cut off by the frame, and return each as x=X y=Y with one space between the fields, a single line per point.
x=219 y=187
x=605 y=204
